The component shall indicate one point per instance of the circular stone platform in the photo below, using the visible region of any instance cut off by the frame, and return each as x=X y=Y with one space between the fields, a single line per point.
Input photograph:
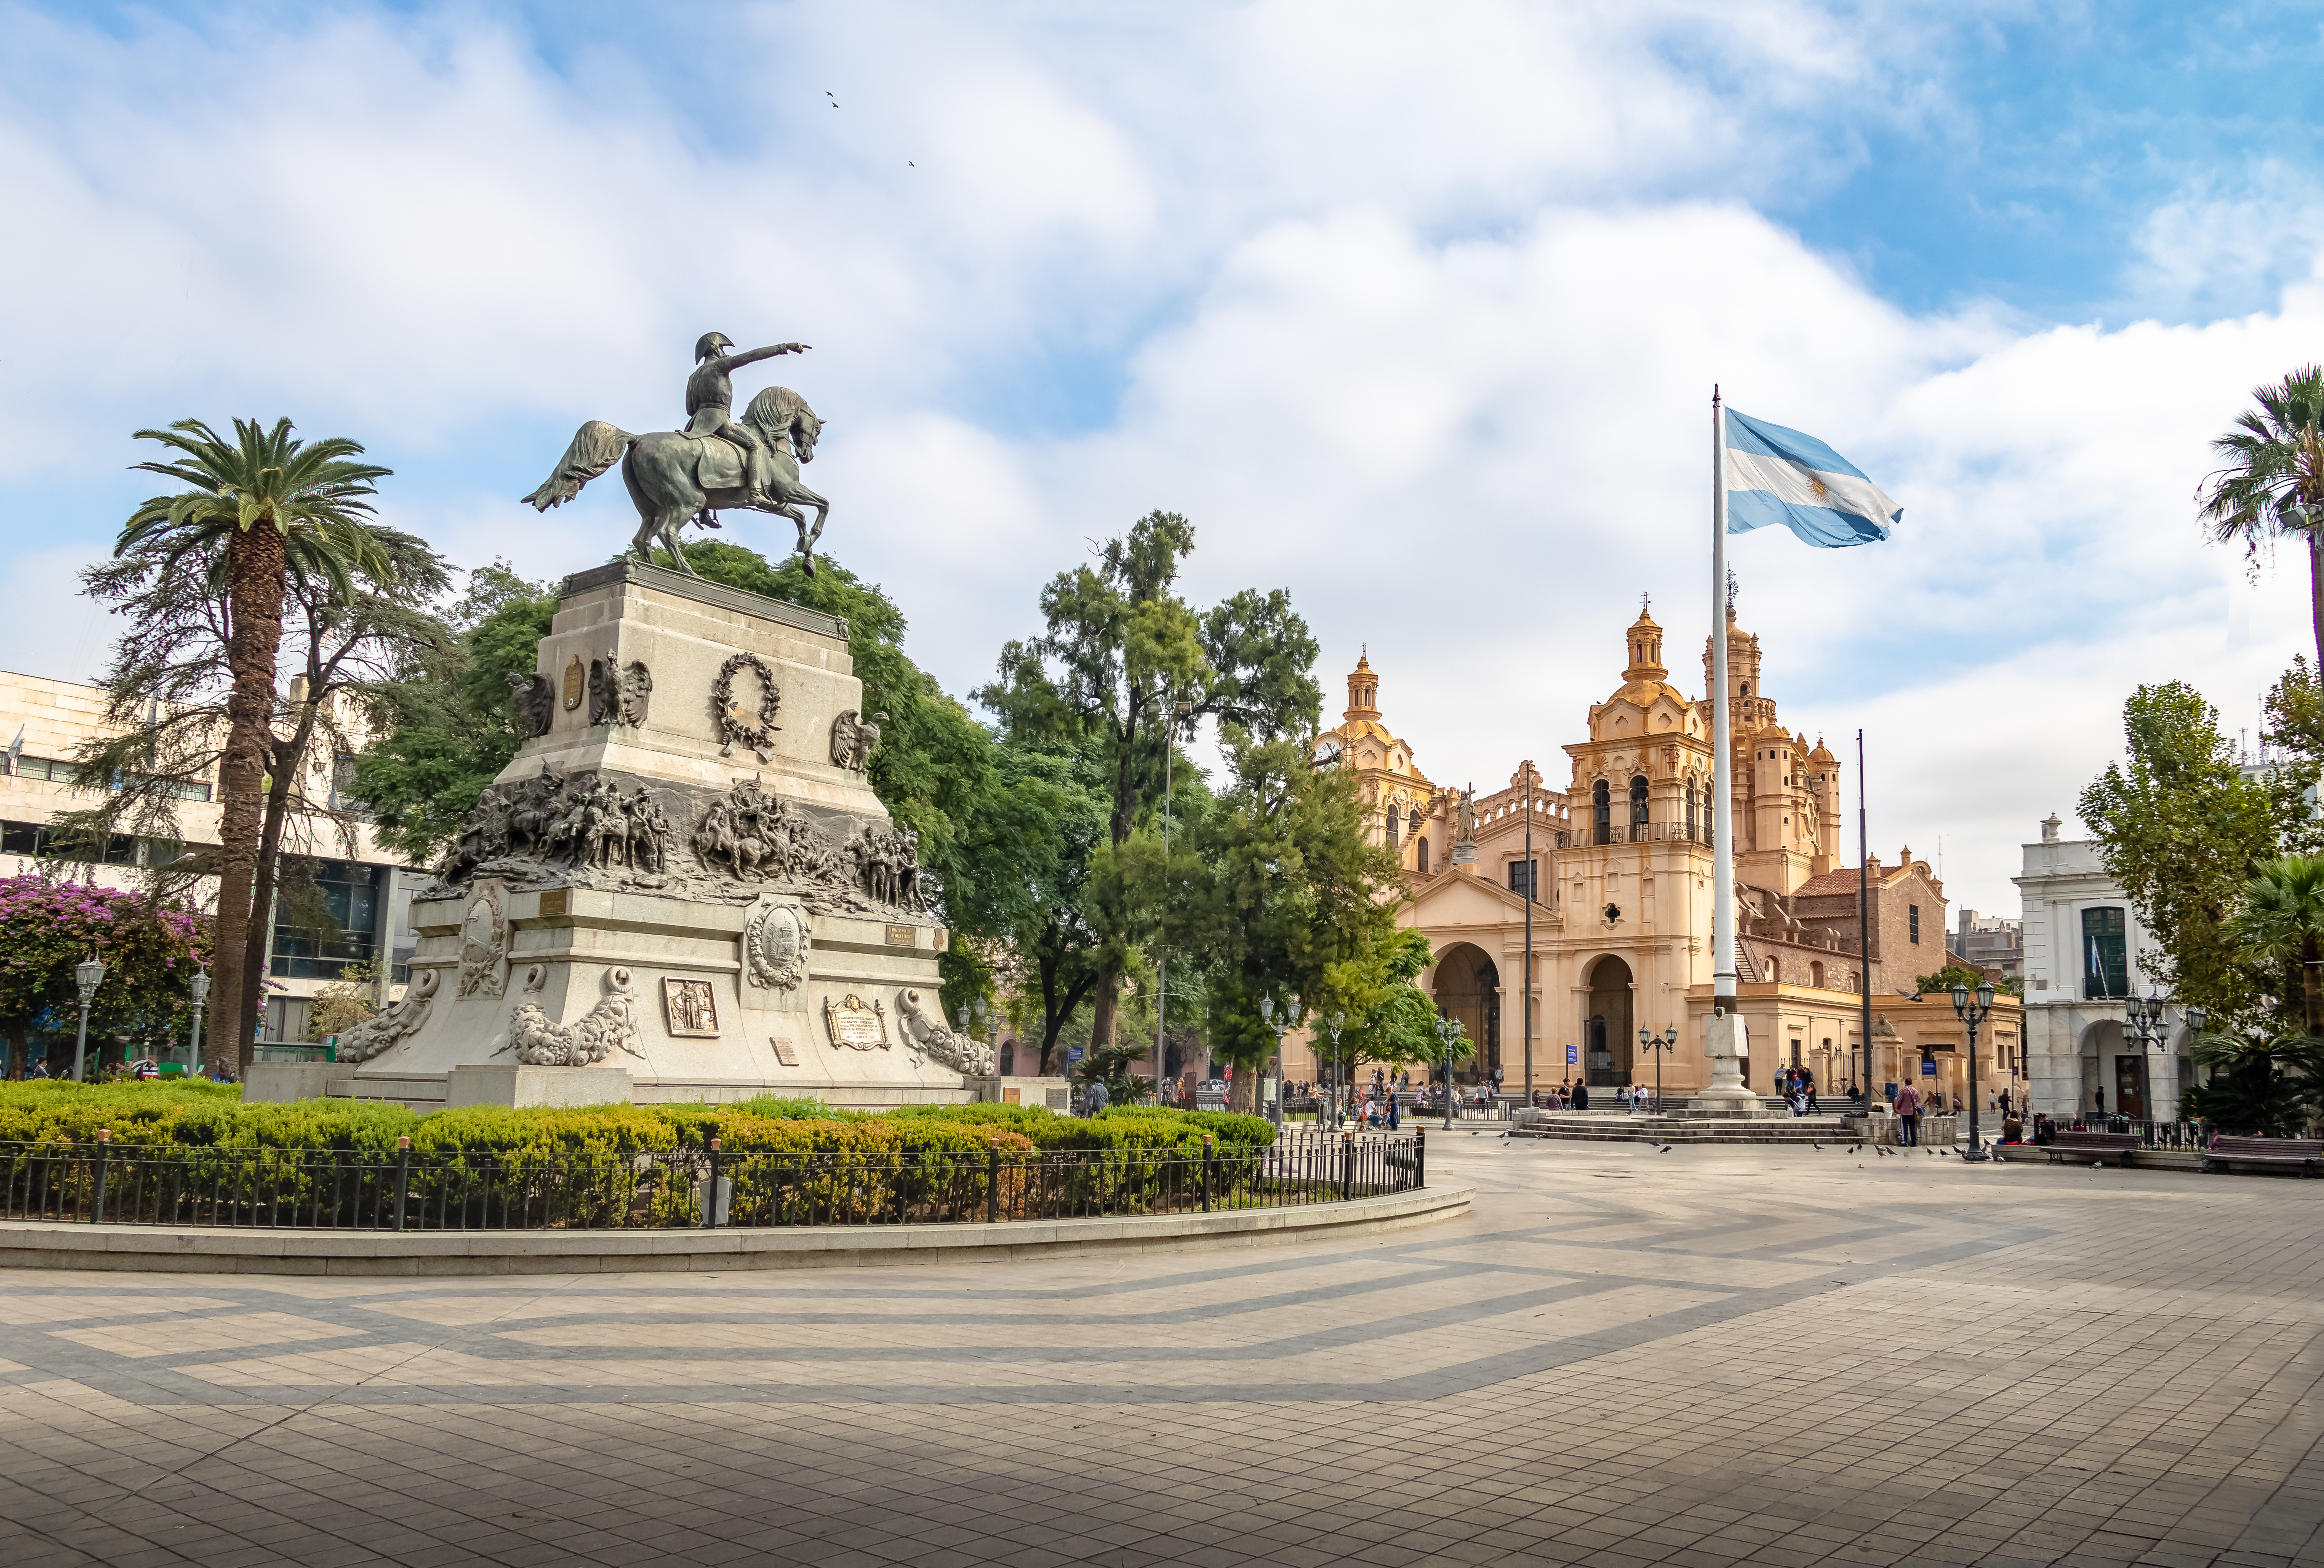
x=59 y=1245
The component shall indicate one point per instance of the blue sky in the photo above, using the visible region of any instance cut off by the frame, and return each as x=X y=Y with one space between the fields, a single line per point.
x=1413 y=309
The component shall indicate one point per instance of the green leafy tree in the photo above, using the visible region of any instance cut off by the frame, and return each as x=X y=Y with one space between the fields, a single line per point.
x=1121 y=649
x=2184 y=832
x=150 y=950
x=1390 y=1021
x=2271 y=483
x=1029 y=884
x=449 y=724
x=284 y=510
x=1276 y=889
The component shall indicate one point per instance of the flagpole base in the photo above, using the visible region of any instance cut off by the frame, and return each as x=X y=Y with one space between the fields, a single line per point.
x=1728 y=1094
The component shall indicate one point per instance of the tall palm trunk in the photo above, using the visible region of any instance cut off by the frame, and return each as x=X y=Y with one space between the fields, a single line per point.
x=2311 y=987
x=255 y=597
x=2316 y=596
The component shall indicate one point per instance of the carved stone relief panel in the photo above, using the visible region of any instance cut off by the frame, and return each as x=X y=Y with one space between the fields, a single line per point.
x=855 y=1024
x=689 y=1009
x=483 y=942
x=775 y=942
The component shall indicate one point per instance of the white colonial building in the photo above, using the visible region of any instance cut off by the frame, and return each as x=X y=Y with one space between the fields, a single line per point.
x=2083 y=944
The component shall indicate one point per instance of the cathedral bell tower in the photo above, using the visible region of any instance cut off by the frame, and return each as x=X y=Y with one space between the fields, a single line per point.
x=1363 y=691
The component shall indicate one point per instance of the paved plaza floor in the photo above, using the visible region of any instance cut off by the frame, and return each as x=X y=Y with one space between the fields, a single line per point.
x=1706 y=1357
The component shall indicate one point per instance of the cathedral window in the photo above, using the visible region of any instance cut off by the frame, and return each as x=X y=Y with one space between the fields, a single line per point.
x=1602 y=812
x=1815 y=975
x=1522 y=878
x=1391 y=827
x=1639 y=809
x=1422 y=850
x=1690 y=808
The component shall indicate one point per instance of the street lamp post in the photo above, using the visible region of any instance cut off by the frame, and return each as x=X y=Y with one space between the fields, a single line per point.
x=88 y=974
x=201 y=986
x=1661 y=1045
x=1972 y=1014
x=1267 y=1017
x=1447 y=1031
x=2145 y=1021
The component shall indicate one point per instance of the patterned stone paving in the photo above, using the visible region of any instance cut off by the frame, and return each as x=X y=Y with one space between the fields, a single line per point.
x=1707 y=1356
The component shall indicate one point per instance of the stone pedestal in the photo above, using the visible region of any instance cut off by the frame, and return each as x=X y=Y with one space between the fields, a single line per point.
x=283 y=1082
x=496 y=1086
x=1727 y=1096
x=682 y=880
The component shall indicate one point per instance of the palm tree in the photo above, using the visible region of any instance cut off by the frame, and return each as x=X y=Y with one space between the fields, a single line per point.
x=2271 y=1087
x=2273 y=485
x=282 y=508
x=2282 y=923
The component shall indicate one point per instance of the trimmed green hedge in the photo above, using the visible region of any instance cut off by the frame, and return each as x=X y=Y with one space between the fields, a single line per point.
x=213 y=1115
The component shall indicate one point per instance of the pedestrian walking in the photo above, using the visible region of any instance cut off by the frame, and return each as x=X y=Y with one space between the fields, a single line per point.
x=1908 y=1116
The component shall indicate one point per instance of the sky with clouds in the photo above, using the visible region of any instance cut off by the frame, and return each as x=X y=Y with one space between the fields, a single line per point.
x=1414 y=309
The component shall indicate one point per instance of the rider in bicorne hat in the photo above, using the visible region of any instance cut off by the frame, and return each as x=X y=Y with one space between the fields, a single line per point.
x=710 y=394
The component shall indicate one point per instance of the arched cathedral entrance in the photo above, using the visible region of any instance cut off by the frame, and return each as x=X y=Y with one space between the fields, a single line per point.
x=1607 y=1043
x=1469 y=991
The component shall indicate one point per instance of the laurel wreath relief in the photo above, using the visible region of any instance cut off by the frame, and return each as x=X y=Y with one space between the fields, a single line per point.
x=736 y=723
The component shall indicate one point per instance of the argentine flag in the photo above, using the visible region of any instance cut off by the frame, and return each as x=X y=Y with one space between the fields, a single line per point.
x=1775 y=475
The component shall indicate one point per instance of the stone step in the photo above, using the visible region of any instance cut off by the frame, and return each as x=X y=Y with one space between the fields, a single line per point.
x=1585 y=1127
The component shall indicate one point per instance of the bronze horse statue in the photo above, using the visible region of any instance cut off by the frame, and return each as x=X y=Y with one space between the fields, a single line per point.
x=675 y=477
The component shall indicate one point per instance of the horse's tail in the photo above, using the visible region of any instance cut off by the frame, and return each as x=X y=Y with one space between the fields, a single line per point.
x=596 y=447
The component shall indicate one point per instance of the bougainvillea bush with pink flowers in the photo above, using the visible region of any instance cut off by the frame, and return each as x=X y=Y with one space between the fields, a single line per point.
x=150 y=952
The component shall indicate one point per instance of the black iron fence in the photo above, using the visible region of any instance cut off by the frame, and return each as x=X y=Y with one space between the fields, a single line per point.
x=2151 y=1134
x=107 y=1183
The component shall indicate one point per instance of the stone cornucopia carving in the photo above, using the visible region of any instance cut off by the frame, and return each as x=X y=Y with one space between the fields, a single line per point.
x=382 y=1029
x=611 y=1025
x=925 y=1031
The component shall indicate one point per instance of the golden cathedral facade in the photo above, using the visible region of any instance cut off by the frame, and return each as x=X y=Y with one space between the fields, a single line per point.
x=1616 y=865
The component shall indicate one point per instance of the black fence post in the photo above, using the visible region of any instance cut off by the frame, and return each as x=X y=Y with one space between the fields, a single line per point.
x=710 y=1191
x=1348 y=1164
x=992 y=1183
x=1420 y=1156
x=1206 y=1173
x=104 y=1147
x=402 y=1177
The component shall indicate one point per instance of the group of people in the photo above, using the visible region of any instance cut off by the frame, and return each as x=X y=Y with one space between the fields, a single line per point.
x=1797 y=1086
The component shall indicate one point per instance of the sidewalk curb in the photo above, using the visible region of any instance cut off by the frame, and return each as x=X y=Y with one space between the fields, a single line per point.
x=42 y=1244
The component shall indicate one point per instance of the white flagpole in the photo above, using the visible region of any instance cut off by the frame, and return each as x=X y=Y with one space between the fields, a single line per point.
x=1722 y=797
x=1723 y=1033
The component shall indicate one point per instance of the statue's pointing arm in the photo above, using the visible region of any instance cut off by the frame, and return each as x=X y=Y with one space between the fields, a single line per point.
x=751 y=357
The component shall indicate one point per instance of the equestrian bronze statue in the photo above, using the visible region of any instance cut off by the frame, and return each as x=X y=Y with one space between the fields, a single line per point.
x=717 y=464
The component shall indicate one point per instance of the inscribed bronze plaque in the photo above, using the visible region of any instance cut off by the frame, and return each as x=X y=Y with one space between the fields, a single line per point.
x=689 y=1009
x=901 y=936
x=785 y=1052
x=554 y=901
x=574 y=679
x=855 y=1025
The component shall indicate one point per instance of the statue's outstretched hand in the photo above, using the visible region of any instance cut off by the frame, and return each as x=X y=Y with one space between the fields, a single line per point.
x=791 y=348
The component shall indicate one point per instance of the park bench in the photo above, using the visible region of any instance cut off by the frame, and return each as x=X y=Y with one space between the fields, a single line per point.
x=2300 y=1152
x=2094 y=1145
